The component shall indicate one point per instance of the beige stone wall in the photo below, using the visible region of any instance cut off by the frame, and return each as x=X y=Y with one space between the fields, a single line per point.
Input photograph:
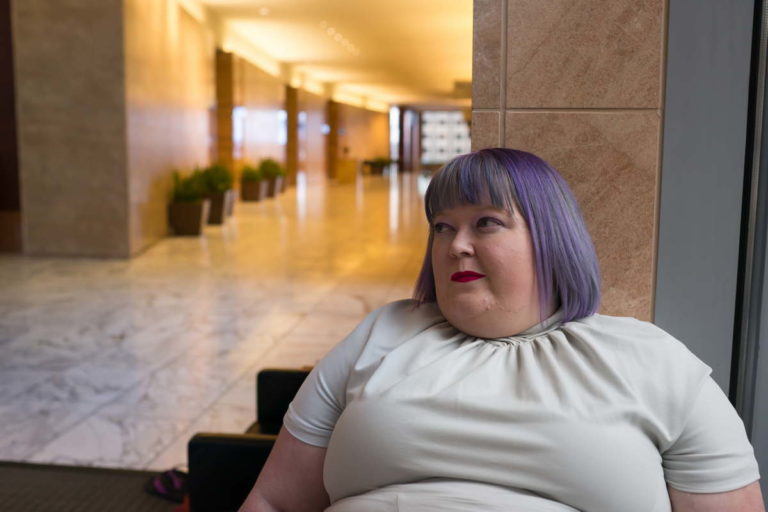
x=311 y=138
x=113 y=95
x=363 y=132
x=580 y=84
x=263 y=127
x=169 y=82
x=71 y=125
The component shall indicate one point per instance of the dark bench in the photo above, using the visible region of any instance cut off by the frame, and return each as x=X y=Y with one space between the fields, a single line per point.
x=224 y=467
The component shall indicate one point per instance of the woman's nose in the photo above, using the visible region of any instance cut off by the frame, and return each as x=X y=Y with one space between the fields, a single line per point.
x=461 y=245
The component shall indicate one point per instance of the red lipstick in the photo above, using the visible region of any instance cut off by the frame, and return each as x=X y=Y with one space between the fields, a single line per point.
x=466 y=276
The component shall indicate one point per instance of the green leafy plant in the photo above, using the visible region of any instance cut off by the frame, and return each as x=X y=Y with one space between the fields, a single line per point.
x=270 y=168
x=218 y=178
x=381 y=160
x=251 y=174
x=190 y=188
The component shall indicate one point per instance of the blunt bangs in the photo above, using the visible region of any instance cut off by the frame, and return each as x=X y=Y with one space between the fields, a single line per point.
x=565 y=260
x=470 y=179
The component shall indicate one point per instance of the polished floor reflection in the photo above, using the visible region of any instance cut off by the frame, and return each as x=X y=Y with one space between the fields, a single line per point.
x=118 y=363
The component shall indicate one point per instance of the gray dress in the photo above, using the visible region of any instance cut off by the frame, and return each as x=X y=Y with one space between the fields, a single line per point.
x=599 y=415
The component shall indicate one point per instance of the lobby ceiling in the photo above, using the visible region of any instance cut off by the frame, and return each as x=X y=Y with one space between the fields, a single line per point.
x=369 y=52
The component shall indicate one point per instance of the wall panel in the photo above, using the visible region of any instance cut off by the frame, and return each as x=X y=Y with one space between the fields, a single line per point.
x=71 y=127
x=579 y=84
x=311 y=136
x=169 y=79
x=263 y=122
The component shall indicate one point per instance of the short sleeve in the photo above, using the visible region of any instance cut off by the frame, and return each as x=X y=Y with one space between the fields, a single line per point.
x=712 y=453
x=319 y=402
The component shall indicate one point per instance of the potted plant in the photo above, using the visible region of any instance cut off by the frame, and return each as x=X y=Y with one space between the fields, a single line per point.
x=274 y=174
x=378 y=164
x=253 y=186
x=218 y=181
x=189 y=207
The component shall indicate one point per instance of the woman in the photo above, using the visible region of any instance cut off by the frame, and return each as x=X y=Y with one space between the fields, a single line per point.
x=499 y=388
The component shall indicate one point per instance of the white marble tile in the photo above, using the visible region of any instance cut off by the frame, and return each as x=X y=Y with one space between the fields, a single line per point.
x=15 y=382
x=27 y=426
x=223 y=417
x=119 y=362
x=108 y=440
x=84 y=384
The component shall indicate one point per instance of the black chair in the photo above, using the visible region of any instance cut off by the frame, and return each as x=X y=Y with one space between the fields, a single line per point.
x=224 y=467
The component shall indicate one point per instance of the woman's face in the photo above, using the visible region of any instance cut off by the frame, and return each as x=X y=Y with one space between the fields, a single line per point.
x=483 y=264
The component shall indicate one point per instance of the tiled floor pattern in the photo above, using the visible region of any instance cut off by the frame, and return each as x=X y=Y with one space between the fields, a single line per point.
x=118 y=363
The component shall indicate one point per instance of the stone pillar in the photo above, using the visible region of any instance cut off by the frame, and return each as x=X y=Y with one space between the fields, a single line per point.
x=225 y=103
x=292 y=139
x=70 y=95
x=331 y=138
x=581 y=86
x=10 y=192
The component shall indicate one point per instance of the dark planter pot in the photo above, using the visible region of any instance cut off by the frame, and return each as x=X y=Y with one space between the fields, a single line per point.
x=275 y=186
x=218 y=212
x=188 y=218
x=377 y=168
x=249 y=190
x=284 y=183
x=230 y=199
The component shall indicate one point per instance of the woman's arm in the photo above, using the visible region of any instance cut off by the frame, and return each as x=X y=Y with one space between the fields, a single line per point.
x=745 y=499
x=292 y=479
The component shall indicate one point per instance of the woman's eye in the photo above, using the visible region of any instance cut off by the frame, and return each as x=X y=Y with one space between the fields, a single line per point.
x=488 y=222
x=440 y=227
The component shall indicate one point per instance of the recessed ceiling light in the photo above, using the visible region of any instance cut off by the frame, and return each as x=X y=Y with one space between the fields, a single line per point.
x=331 y=31
x=337 y=37
x=264 y=11
x=323 y=24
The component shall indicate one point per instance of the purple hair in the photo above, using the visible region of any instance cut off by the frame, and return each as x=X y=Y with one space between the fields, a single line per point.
x=514 y=180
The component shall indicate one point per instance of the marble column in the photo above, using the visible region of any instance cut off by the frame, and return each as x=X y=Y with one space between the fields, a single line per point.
x=10 y=191
x=292 y=139
x=70 y=97
x=580 y=84
x=225 y=103
x=112 y=97
x=332 y=138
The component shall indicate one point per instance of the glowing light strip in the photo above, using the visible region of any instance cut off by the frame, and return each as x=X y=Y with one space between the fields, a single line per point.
x=194 y=8
x=234 y=41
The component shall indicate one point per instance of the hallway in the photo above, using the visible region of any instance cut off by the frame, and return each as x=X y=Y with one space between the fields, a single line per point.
x=117 y=363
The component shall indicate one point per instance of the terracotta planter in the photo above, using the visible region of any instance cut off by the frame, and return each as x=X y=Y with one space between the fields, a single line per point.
x=218 y=211
x=249 y=190
x=188 y=218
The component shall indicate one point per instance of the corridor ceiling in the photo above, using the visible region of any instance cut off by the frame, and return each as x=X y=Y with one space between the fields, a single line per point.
x=370 y=52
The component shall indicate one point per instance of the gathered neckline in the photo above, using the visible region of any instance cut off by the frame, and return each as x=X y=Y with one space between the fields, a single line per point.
x=545 y=326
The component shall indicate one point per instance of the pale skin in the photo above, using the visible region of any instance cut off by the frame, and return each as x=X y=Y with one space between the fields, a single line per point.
x=496 y=244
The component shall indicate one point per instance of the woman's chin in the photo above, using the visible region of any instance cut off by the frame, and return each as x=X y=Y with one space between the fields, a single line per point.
x=474 y=323
x=484 y=320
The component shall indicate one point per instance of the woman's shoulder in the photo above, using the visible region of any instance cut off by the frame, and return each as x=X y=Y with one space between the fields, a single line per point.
x=636 y=342
x=624 y=329
x=405 y=317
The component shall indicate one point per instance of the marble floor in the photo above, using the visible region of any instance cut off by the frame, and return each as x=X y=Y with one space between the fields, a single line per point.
x=117 y=363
